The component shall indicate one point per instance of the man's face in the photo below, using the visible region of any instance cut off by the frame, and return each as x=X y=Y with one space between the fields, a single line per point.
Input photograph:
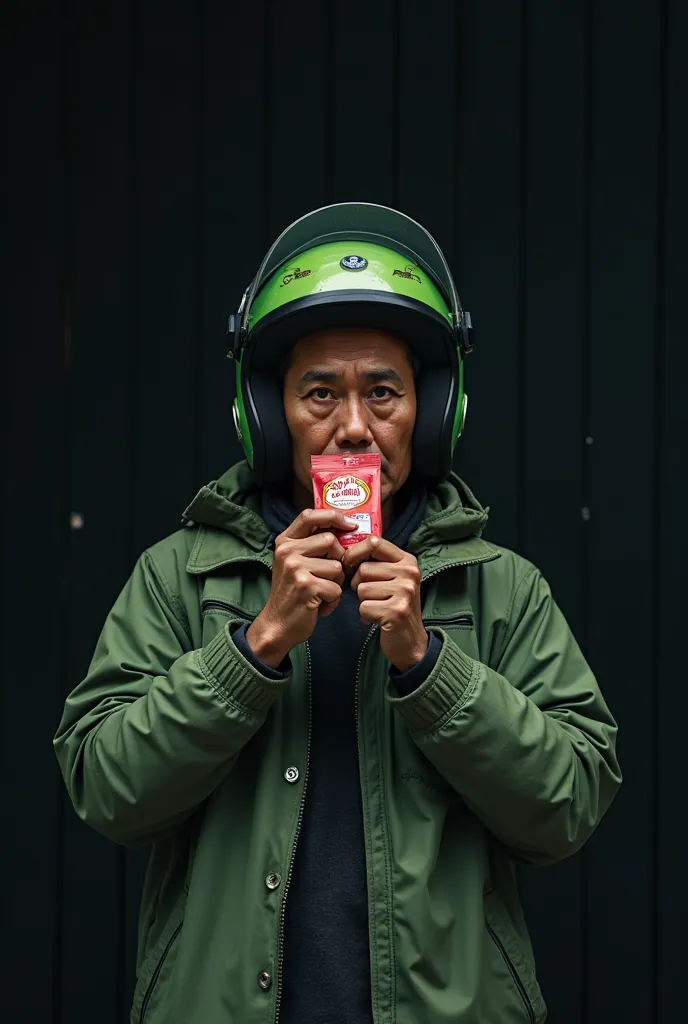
x=351 y=390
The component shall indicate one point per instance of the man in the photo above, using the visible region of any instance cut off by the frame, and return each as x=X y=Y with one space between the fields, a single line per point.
x=339 y=757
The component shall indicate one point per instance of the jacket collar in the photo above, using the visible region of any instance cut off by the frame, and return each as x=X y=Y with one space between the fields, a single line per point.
x=232 y=530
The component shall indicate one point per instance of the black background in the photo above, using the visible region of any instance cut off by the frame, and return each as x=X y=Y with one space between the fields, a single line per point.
x=155 y=150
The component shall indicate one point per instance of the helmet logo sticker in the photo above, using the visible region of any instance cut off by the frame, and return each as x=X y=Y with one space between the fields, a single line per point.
x=295 y=274
x=354 y=263
x=407 y=272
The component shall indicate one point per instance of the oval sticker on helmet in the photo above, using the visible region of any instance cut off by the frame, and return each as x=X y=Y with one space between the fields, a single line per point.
x=346 y=492
x=354 y=263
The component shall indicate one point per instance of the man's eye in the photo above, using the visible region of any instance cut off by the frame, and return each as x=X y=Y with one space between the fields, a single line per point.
x=322 y=394
x=381 y=391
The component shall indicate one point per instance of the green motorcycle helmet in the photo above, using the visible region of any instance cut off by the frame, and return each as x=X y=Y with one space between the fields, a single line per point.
x=350 y=265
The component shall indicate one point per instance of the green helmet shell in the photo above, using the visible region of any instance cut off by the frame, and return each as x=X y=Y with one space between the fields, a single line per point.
x=342 y=266
x=321 y=274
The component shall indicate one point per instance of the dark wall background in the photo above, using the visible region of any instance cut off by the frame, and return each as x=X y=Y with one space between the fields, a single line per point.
x=156 y=148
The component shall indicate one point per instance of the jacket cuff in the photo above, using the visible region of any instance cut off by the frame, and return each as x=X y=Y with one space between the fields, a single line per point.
x=442 y=692
x=236 y=677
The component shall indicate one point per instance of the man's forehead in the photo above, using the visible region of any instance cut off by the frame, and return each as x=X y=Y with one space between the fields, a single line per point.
x=362 y=370
x=340 y=350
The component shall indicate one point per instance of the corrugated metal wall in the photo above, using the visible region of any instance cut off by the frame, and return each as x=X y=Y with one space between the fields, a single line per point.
x=155 y=150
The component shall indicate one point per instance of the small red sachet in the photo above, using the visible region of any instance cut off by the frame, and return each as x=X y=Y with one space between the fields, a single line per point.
x=351 y=484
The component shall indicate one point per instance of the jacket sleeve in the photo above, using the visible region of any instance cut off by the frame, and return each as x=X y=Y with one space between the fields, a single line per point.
x=528 y=745
x=155 y=726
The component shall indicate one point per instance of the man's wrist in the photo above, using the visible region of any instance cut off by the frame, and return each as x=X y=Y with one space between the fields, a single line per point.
x=415 y=656
x=267 y=647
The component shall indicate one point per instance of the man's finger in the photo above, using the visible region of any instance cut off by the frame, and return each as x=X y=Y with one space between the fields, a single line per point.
x=327 y=607
x=312 y=519
x=370 y=571
x=376 y=611
x=324 y=568
x=323 y=545
x=378 y=591
x=323 y=591
x=372 y=547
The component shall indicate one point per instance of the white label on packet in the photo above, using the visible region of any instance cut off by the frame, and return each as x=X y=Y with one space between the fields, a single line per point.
x=363 y=522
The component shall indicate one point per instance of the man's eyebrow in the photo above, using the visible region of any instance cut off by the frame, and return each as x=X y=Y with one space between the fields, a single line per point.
x=385 y=373
x=330 y=377
x=313 y=376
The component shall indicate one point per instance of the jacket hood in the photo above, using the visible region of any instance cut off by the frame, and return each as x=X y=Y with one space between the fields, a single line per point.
x=450 y=532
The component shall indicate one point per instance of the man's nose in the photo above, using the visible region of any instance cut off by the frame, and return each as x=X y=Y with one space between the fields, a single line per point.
x=353 y=427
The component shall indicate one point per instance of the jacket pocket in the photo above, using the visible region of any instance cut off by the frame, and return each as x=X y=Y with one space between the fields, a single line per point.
x=155 y=963
x=459 y=621
x=225 y=608
x=217 y=614
x=521 y=971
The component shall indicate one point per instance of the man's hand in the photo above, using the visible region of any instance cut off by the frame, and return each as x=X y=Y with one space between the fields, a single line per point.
x=387 y=583
x=307 y=582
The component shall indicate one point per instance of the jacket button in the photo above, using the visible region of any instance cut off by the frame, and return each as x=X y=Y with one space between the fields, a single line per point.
x=292 y=774
x=273 y=880
x=265 y=980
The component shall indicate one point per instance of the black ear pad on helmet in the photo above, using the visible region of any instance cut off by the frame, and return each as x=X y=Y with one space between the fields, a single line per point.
x=436 y=383
x=262 y=391
x=436 y=397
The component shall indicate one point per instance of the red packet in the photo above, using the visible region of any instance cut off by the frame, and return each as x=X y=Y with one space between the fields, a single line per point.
x=351 y=484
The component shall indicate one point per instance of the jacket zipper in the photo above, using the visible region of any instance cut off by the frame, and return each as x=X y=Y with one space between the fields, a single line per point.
x=367 y=640
x=280 y=935
x=514 y=974
x=156 y=973
x=371 y=633
x=225 y=606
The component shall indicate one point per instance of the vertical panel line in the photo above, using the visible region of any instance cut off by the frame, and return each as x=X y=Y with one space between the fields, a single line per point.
x=66 y=202
x=585 y=498
x=328 y=132
x=396 y=67
x=523 y=272
x=659 y=344
x=267 y=122
x=457 y=267
x=198 y=349
x=134 y=58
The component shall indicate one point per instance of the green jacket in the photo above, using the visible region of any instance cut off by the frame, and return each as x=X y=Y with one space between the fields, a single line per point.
x=506 y=753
